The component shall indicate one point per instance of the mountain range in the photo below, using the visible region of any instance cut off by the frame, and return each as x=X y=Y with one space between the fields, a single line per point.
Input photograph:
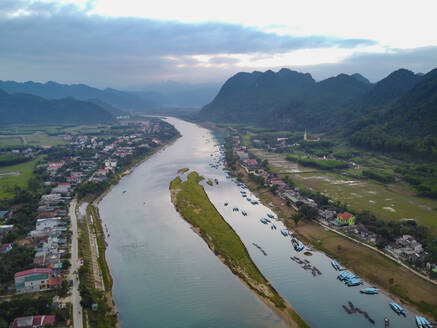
x=295 y=101
x=29 y=109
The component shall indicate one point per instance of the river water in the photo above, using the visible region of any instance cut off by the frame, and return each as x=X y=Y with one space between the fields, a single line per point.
x=166 y=276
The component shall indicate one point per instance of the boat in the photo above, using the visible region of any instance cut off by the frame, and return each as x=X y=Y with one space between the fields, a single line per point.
x=273 y=227
x=369 y=291
x=386 y=322
x=297 y=245
x=397 y=308
x=335 y=265
x=243 y=195
x=244 y=212
x=235 y=209
x=353 y=282
x=422 y=322
x=270 y=215
x=263 y=220
x=284 y=232
x=124 y=191
x=226 y=204
x=254 y=202
x=248 y=199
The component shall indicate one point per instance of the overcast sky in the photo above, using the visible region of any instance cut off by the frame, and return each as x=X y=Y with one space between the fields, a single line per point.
x=131 y=43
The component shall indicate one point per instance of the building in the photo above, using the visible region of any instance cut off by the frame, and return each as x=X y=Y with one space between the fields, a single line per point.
x=4 y=248
x=33 y=280
x=345 y=218
x=35 y=321
x=4 y=229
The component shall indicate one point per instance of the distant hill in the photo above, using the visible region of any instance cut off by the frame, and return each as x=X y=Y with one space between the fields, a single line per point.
x=286 y=99
x=30 y=109
x=360 y=78
x=52 y=90
x=111 y=109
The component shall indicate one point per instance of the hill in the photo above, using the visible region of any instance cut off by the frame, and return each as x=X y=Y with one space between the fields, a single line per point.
x=53 y=90
x=29 y=109
x=286 y=99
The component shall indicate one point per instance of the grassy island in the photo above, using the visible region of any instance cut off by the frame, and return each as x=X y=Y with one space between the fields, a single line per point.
x=192 y=202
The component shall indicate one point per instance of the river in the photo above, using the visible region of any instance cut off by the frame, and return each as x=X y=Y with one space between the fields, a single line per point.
x=166 y=276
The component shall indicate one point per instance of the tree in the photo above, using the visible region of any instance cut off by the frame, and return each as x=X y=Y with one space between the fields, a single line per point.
x=296 y=218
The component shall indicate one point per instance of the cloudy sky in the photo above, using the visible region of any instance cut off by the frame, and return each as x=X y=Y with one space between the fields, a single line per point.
x=131 y=43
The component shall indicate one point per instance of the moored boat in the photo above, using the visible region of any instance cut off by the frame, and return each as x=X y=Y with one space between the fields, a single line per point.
x=284 y=232
x=369 y=291
x=263 y=220
x=397 y=308
x=335 y=265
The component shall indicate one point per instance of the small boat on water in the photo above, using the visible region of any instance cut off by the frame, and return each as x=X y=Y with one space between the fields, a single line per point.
x=297 y=245
x=235 y=209
x=369 y=291
x=244 y=212
x=124 y=191
x=284 y=232
x=226 y=204
x=243 y=195
x=422 y=322
x=254 y=202
x=273 y=227
x=397 y=308
x=335 y=265
x=386 y=322
x=248 y=199
x=270 y=215
x=263 y=220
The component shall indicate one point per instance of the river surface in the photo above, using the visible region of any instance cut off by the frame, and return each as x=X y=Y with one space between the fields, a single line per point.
x=166 y=276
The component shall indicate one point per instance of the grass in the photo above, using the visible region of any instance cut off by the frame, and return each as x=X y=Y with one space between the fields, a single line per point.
x=107 y=279
x=6 y=141
x=192 y=202
x=374 y=267
x=39 y=139
x=15 y=175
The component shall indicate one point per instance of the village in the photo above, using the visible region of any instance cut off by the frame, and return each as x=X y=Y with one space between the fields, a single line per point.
x=36 y=235
x=337 y=217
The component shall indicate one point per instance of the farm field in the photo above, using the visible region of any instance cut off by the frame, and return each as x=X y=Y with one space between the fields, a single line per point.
x=15 y=175
x=388 y=202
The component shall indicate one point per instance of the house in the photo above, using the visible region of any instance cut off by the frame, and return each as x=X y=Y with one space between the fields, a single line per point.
x=102 y=172
x=33 y=280
x=36 y=321
x=4 y=229
x=4 y=248
x=61 y=188
x=45 y=227
x=250 y=163
x=345 y=218
x=277 y=182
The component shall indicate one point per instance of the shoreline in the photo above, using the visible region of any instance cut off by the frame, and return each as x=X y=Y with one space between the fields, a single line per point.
x=407 y=304
x=287 y=313
x=95 y=204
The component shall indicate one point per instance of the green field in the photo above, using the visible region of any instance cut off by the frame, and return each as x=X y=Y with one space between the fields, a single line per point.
x=15 y=175
x=7 y=141
x=388 y=202
x=192 y=202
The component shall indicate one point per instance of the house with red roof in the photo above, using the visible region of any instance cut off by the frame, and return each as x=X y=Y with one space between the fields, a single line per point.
x=346 y=218
x=35 y=321
x=34 y=280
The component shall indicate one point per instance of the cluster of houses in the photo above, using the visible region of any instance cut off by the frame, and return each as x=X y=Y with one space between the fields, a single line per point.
x=405 y=248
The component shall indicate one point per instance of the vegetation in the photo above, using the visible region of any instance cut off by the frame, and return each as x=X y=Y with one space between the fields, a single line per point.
x=327 y=164
x=192 y=202
x=19 y=258
x=185 y=169
x=422 y=177
x=378 y=175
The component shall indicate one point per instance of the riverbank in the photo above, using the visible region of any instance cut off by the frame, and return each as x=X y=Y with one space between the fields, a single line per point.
x=396 y=281
x=95 y=223
x=192 y=202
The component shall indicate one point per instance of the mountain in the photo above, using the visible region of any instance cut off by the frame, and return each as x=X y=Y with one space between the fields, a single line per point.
x=53 y=90
x=111 y=109
x=389 y=89
x=360 y=78
x=253 y=97
x=25 y=108
x=286 y=99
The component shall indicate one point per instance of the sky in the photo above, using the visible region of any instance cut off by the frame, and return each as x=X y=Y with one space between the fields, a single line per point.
x=129 y=44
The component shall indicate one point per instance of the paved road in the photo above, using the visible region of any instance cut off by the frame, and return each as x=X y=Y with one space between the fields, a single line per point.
x=77 y=308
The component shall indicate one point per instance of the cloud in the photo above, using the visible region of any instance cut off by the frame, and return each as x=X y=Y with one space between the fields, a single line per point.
x=376 y=66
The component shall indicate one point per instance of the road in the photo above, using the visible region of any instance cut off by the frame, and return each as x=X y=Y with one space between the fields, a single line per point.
x=77 y=308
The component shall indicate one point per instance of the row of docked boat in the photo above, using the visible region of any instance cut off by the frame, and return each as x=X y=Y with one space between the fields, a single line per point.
x=306 y=265
x=335 y=265
x=349 y=278
x=397 y=308
x=422 y=322
x=297 y=245
x=353 y=309
x=260 y=248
